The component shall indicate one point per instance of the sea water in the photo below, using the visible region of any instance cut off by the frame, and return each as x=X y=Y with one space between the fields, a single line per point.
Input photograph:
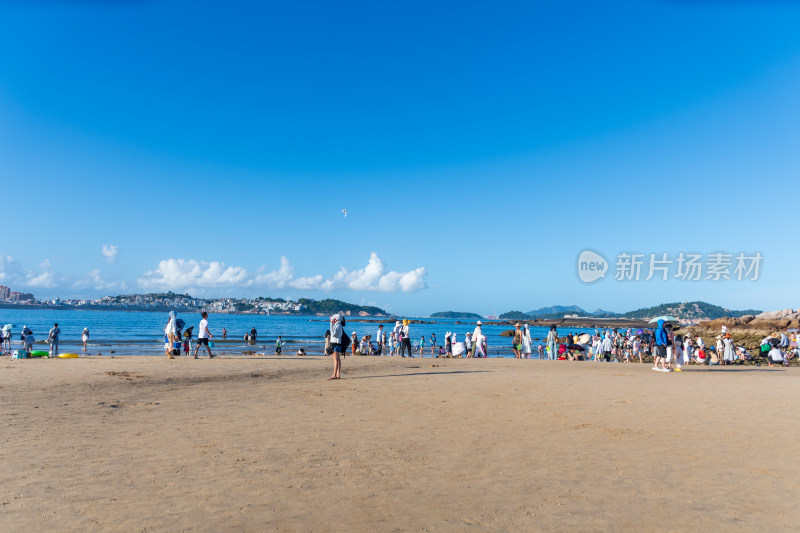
x=142 y=332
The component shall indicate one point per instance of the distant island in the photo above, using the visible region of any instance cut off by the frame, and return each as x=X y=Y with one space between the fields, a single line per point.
x=456 y=314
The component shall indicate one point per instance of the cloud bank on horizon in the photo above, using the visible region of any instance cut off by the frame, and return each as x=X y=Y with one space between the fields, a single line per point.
x=200 y=276
x=181 y=274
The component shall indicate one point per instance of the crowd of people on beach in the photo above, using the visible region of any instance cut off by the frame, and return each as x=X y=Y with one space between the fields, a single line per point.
x=27 y=340
x=670 y=349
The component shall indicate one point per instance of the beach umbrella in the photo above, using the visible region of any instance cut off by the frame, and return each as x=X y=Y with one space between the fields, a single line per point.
x=8 y=327
x=583 y=339
x=665 y=318
x=576 y=347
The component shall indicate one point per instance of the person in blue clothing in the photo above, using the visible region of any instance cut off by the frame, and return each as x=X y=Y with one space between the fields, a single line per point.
x=660 y=348
x=433 y=343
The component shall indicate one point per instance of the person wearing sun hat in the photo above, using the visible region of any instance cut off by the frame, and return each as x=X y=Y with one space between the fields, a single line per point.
x=405 y=338
x=729 y=351
x=516 y=344
x=477 y=339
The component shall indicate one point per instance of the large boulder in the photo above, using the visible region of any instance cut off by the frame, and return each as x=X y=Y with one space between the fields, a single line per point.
x=783 y=313
x=774 y=324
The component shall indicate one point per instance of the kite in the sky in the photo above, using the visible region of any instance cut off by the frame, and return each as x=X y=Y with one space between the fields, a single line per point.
x=345 y=212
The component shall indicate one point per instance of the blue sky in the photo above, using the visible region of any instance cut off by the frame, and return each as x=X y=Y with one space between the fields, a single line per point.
x=477 y=149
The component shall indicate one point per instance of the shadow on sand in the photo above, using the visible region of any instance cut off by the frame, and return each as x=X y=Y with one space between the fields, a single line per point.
x=421 y=374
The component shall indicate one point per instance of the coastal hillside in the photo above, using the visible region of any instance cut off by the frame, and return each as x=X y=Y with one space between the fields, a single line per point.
x=557 y=310
x=693 y=311
x=456 y=314
x=689 y=311
x=330 y=306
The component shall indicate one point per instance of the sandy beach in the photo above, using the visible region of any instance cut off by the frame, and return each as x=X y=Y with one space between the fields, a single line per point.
x=267 y=444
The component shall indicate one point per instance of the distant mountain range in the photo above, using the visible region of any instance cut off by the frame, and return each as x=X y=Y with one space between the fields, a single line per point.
x=683 y=310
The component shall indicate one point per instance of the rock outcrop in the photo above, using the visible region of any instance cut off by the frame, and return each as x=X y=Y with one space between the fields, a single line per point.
x=749 y=330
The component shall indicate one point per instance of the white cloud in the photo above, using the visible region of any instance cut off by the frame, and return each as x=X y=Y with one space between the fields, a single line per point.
x=373 y=277
x=14 y=275
x=96 y=280
x=110 y=252
x=276 y=279
x=179 y=274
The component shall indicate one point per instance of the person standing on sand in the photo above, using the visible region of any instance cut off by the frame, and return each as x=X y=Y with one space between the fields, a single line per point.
x=337 y=325
x=660 y=348
x=527 y=347
x=421 y=345
x=5 y=339
x=729 y=352
x=203 y=336
x=381 y=339
x=171 y=331
x=52 y=338
x=85 y=338
x=405 y=339
x=27 y=340
x=433 y=343
x=516 y=342
x=395 y=338
x=552 y=343
x=477 y=340
x=607 y=346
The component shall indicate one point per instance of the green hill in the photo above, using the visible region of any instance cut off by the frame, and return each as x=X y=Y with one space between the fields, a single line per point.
x=456 y=314
x=330 y=306
x=690 y=310
x=514 y=315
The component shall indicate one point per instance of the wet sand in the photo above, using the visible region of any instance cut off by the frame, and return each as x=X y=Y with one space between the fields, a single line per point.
x=268 y=444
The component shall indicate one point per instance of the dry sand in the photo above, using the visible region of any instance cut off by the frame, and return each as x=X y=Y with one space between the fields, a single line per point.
x=262 y=444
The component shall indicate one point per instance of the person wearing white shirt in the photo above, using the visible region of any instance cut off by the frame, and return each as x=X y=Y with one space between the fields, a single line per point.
x=203 y=336
x=477 y=340
x=171 y=331
x=380 y=338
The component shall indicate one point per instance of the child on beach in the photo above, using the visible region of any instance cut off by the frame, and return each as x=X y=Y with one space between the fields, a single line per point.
x=27 y=340
x=421 y=345
x=279 y=346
